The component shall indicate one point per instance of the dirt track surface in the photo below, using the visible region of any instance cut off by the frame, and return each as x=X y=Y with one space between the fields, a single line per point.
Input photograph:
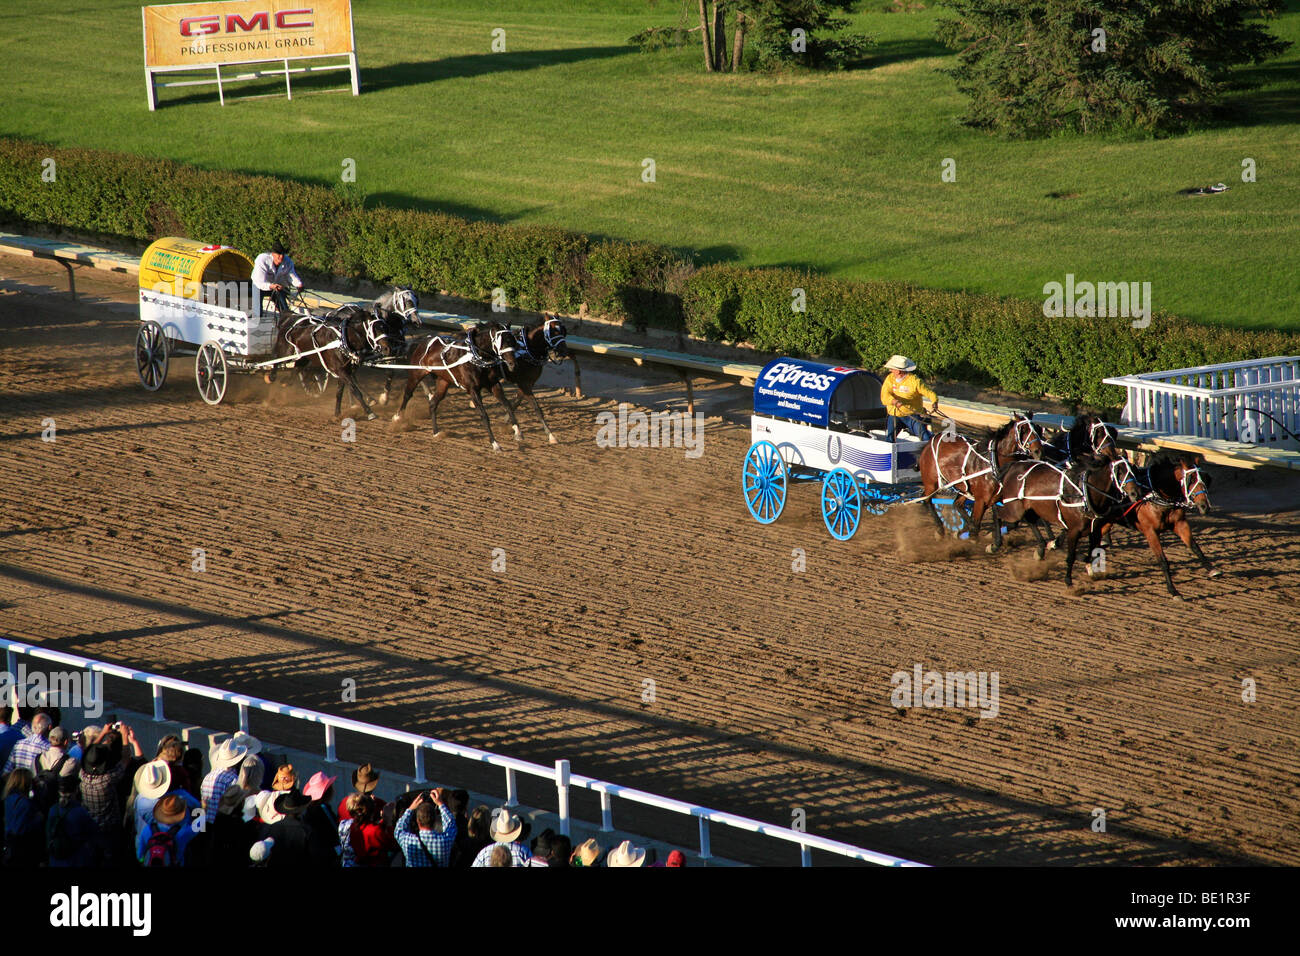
x=373 y=561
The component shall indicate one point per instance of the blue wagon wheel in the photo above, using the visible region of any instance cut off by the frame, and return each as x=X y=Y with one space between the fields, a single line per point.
x=764 y=482
x=841 y=504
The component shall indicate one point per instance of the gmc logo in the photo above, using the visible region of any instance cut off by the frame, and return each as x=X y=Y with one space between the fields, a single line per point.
x=211 y=23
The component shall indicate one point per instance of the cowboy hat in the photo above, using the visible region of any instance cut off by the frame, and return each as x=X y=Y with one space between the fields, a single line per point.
x=248 y=740
x=260 y=851
x=625 y=854
x=676 y=858
x=169 y=810
x=586 y=854
x=153 y=779
x=505 y=827
x=901 y=362
x=266 y=807
x=291 y=801
x=318 y=785
x=96 y=759
x=365 y=778
x=229 y=754
x=285 y=778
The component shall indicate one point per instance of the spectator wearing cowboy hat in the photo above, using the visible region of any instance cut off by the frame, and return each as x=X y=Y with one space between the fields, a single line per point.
x=364 y=780
x=100 y=776
x=625 y=854
x=424 y=845
x=586 y=855
x=505 y=830
x=225 y=774
x=286 y=780
x=903 y=394
x=255 y=750
x=320 y=815
x=273 y=272
x=153 y=781
x=296 y=846
x=166 y=835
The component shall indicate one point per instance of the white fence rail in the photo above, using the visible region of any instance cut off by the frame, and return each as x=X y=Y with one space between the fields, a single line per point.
x=1257 y=402
x=564 y=780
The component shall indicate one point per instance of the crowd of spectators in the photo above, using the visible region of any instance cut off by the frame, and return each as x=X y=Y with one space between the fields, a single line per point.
x=94 y=798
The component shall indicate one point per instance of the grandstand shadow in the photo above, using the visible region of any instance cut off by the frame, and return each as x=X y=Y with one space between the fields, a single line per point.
x=864 y=803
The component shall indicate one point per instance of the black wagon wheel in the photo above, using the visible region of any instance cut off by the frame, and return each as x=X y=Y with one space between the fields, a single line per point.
x=210 y=373
x=151 y=355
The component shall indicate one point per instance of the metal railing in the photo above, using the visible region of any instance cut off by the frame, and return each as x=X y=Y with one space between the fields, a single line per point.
x=560 y=774
x=1256 y=402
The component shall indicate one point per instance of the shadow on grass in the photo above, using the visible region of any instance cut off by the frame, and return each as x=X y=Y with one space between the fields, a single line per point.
x=1267 y=95
x=902 y=50
x=454 y=67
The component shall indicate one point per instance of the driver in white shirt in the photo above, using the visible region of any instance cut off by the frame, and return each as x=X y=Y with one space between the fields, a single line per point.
x=272 y=272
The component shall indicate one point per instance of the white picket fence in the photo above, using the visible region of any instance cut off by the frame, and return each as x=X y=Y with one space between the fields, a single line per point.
x=564 y=780
x=1257 y=402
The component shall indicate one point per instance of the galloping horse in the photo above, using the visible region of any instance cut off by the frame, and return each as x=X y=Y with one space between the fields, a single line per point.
x=346 y=337
x=465 y=360
x=1073 y=497
x=1088 y=435
x=958 y=463
x=1169 y=486
x=534 y=344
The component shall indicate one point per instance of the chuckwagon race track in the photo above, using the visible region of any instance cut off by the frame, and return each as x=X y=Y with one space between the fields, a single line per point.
x=372 y=561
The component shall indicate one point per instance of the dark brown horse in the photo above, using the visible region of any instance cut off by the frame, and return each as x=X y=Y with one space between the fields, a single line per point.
x=465 y=360
x=972 y=471
x=337 y=344
x=1169 y=486
x=1073 y=496
x=535 y=343
x=1089 y=435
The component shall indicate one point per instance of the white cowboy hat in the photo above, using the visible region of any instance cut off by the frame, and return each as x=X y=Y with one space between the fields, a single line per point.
x=625 y=854
x=505 y=827
x=153 y=779
x=229 y=754
x=901 y=362
x=248 y=740
x=266 y=807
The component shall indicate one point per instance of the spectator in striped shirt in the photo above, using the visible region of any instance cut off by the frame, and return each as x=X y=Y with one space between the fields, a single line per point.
x=225 y=773
x=426 y=846
x=29 y=749
x=506 y=829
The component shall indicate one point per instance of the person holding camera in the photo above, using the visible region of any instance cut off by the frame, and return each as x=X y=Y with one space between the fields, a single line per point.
x=425 y=844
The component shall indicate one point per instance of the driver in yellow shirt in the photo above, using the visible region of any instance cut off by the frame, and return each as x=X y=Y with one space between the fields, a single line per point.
x=904 y=394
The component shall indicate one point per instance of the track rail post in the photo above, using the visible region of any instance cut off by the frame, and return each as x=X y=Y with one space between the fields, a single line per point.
x=158 y=703
x=562 y=788
x=512 y=788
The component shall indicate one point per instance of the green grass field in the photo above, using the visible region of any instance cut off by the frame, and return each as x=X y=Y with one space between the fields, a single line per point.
x=835 y=172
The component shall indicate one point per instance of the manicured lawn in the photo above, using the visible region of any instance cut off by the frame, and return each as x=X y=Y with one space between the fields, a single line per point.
x=836 y=172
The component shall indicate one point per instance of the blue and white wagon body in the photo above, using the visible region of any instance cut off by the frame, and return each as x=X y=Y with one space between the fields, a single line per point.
x=818 y=422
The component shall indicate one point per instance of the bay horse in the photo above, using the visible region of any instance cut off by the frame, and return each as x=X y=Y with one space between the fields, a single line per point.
x=973 y=471
x=534 y=345
x=1170 y=485
x=1074 y=496
x=465 y=360
x=1089 y=434
x=347 y=337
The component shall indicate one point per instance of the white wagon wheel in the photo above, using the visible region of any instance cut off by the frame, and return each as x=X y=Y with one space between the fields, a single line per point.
x=210 y=373
x=151 y=354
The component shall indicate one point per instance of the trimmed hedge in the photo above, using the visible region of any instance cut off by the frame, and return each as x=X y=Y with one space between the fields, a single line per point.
x=983 y=339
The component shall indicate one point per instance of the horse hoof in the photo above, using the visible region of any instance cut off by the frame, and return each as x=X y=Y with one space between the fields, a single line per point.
x=397 y=417
x=496 y=447
x=1215 y=573
x=991 y=549
x=1051 y=546
x=551 y=438
x=371 y=416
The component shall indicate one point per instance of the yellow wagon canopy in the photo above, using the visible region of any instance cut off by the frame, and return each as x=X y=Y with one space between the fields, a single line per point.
x=182 y=267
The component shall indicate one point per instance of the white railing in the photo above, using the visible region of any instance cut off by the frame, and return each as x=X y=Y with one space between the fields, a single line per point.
x=1257 y=402
x=560 y=774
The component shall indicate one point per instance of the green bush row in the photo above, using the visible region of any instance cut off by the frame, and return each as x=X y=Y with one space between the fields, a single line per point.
x=982 y=339
x=1006 y=343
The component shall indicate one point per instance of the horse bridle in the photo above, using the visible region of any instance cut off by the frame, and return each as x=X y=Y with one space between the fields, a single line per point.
x=1189 y=495
x=1023 y=443
x=407 y=310
x=1106 y=437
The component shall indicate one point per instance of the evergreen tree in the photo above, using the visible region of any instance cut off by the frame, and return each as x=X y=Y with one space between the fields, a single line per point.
x=1032 y=67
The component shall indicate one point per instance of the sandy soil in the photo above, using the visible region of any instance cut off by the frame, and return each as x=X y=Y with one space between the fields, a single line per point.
x=373 y=560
